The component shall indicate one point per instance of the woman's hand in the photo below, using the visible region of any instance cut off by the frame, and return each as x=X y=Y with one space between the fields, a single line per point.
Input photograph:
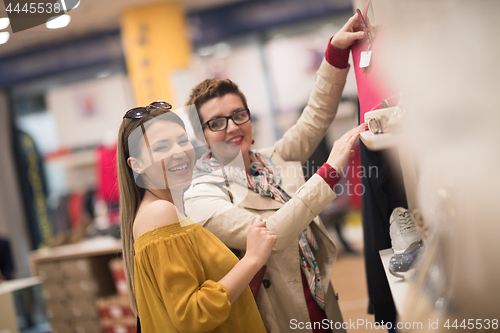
x=341 y=150
x=260 y=242
x=350 y=32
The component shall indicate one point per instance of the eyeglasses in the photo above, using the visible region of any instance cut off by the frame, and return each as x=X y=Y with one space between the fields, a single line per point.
x=139 y=112
x=220 y=123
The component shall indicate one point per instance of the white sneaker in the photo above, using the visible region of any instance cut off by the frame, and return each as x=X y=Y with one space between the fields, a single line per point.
x=403 y=231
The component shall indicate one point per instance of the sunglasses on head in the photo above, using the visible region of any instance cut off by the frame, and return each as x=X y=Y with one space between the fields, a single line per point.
x=139 y=112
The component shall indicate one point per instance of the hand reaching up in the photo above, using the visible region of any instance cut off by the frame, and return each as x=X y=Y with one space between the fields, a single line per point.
x=349 y=33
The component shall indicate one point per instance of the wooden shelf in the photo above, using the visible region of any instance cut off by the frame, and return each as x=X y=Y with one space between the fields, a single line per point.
x=11 y=285
x=17 y=298
x=89 y=247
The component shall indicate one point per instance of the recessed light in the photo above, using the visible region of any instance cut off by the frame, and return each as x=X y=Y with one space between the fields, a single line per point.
x=58 y=21
x=4 y=22
x=4 y=37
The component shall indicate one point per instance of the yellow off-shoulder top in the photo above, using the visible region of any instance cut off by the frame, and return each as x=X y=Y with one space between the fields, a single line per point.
x=176 y=273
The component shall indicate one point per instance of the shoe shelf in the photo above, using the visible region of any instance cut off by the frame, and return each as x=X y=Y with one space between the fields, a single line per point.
x=398 y=285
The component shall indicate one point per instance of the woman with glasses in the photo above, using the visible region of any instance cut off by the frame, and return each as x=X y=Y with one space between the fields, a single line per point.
x=180 y=277
x=295 y=290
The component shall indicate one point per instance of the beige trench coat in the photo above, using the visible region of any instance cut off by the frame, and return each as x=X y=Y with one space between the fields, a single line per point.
x=281 y=300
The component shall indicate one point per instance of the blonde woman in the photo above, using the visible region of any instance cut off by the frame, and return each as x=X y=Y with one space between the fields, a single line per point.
x=180 y=277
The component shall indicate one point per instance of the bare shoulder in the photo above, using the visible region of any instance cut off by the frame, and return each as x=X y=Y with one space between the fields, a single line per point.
x=154 y=214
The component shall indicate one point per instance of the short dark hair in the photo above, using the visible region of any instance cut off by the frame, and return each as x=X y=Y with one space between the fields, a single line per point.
x=208 y=89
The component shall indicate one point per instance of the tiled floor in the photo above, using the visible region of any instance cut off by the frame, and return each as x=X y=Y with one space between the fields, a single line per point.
x=349 y=278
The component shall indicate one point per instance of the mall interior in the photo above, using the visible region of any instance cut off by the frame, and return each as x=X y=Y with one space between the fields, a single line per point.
x=433 y=64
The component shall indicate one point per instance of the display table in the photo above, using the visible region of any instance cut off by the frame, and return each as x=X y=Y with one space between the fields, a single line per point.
x=398 y=286
x=88 y=247
x=74 y=277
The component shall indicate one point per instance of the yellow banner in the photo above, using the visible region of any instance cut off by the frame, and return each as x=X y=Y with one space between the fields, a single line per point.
x=155 y=43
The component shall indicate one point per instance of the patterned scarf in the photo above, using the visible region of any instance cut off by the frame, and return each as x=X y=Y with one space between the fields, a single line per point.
x=265 y=180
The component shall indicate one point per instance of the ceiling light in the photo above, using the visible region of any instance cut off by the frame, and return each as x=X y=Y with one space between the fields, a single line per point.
x=104 y=74
x=4 y=22
x=58 y=22
x=222 y=50
x=205 y=51
x=4 y=37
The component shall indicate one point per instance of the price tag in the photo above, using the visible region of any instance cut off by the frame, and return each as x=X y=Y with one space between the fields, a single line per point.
x=365 y=59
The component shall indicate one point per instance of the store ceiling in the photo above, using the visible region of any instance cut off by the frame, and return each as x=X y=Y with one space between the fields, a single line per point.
x=91 y=17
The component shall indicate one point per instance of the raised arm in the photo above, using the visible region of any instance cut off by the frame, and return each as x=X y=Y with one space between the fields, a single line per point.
x=210 y=205
x=299 y=142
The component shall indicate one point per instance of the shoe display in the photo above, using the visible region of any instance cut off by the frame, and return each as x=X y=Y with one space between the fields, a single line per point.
x=420 y=224
x=406 y=241
x=403 y=231
x=399 y=264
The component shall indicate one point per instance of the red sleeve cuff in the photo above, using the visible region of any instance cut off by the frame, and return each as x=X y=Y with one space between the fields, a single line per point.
x=337 y=57
x=329 y=174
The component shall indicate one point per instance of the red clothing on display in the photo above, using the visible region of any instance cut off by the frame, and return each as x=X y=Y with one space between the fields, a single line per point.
x=107 y=180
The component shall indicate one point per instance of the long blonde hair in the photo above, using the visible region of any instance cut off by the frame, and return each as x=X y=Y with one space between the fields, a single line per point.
x=130 y=195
